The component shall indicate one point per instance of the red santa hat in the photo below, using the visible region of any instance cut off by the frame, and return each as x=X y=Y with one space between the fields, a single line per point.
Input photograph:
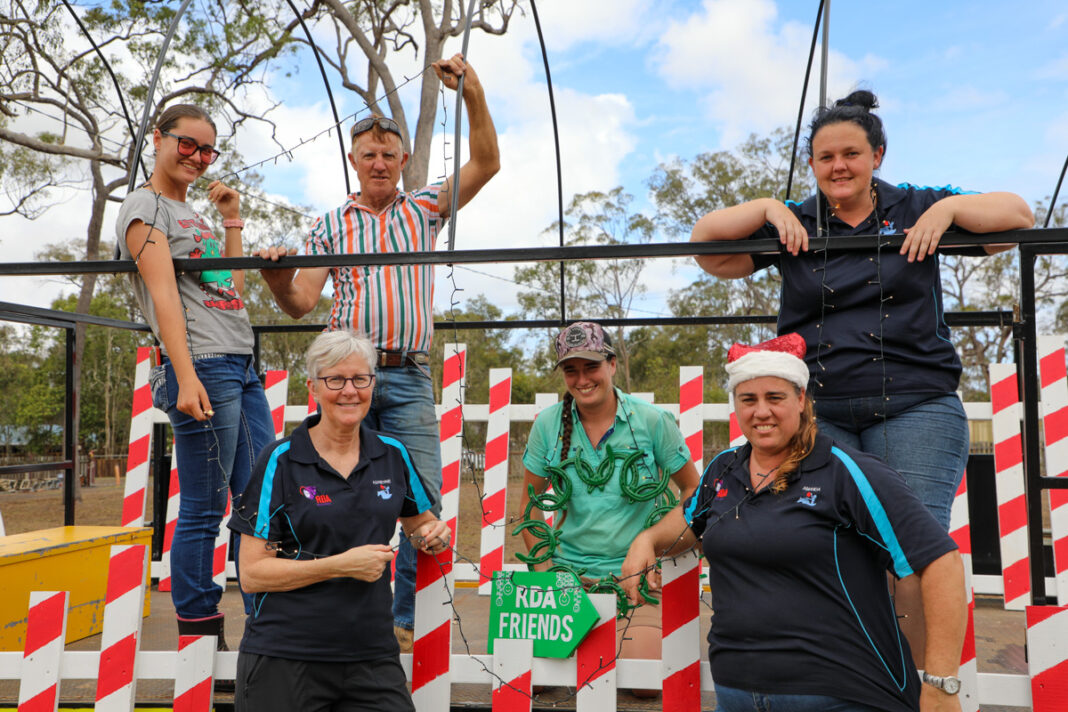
x=783 y=357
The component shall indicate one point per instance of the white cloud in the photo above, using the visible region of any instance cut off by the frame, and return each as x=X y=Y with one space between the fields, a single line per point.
x=750 y=65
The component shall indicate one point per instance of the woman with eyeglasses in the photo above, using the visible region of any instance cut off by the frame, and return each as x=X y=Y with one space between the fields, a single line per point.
x=315 y=524
x=609 y=458
x=206 y=382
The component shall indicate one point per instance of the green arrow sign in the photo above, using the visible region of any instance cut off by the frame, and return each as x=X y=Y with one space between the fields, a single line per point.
x=548 y=607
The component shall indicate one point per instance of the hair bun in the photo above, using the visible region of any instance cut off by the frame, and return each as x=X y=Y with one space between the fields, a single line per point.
x=860 y=97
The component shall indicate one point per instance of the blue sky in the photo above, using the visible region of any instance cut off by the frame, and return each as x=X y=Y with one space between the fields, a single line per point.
x=973 y=93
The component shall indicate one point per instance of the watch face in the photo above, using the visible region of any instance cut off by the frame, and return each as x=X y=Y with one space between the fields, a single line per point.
x=951 y=685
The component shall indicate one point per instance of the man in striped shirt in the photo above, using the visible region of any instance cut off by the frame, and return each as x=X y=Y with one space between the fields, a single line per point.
x=393 y=304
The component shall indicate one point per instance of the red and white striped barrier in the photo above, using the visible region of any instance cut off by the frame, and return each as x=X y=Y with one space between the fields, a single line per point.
x=1051 y=368
x=174 y=501
x=121 y=635
x=595 y=660
x=680 y=612
x=312 y=405
x=1009 y=483
x=133 y=502
x=1047 y=657
x=737 y=439
x=495 y=481
x=512 y=663
x=432 y=646
x=193 y=683
x=276 y=388
x=960 y=530
x=691 y=420
x=452 y=426
x=541 y=402
x=46 y=631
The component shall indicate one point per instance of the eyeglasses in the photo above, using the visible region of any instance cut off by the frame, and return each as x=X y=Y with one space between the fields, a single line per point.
x=187 y=147
x=364 y=125
x=359 y=381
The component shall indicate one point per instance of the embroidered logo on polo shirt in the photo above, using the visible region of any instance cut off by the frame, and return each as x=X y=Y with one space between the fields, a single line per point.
x=319 y=499
x=383 y=491
x=721 y=491
x=809 y=497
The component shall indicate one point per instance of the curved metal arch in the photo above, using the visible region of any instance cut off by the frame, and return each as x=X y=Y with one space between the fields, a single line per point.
x=329 y=95
x=107 y=66
x=556 y=144
x=454 y=197
x=139 y=141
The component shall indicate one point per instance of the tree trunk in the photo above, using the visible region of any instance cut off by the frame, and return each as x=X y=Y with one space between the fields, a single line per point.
x=85 y=298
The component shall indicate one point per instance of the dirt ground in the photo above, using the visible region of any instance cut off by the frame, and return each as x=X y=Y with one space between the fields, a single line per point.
x=101 y=505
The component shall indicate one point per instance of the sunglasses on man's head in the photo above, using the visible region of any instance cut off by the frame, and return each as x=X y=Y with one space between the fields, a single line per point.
x=188 y=146
x=365 y=125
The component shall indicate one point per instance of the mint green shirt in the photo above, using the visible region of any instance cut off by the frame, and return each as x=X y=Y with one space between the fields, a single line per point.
x=600 y=525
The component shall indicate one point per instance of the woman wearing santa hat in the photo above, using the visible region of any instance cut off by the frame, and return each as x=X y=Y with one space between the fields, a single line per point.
x=799 y=532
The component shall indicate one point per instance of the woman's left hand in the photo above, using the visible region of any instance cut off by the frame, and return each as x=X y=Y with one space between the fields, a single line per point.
x=433 y=537
x=922 y=238
x=226 y=200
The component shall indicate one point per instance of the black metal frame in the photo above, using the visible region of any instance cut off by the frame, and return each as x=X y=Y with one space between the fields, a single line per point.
x=1026 y=337
x=1031 y=244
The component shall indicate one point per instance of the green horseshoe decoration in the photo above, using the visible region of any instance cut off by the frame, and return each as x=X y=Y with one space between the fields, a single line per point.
x=633 y=490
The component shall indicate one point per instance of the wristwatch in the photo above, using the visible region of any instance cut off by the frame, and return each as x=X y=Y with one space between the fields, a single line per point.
x=949 y=684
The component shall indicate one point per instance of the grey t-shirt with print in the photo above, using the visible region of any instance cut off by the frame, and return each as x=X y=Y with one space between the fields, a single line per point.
x=215 y=316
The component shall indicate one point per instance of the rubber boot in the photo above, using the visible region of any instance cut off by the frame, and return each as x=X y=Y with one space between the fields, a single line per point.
x=214 y=625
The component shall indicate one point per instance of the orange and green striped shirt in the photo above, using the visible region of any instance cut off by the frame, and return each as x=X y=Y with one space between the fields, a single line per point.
x=392 y=304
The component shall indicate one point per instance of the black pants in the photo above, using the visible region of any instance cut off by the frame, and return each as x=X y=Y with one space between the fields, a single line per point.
x=266 y=684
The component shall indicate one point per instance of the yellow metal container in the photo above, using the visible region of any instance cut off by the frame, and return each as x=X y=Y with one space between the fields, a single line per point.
x=71 y=559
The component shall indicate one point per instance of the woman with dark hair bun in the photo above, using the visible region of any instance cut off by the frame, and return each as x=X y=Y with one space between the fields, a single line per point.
x=884 y=372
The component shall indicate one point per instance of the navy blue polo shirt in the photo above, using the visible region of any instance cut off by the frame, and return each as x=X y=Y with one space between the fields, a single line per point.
x=299 y=503
x=863 y=300
x=798 y=579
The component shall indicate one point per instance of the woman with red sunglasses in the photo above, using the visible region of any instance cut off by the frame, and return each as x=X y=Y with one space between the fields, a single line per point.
x=206 y=383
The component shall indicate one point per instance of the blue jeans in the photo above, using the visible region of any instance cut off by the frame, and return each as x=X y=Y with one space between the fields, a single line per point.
x=403 y=405
x=729 y=699
x=923 y=436
x=212 y=455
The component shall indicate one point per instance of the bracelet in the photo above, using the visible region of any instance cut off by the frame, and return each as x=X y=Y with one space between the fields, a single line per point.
x=234 y=222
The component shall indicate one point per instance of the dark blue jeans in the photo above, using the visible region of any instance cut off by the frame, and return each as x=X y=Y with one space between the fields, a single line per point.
x=212 y=456
x=924 y=437
x=729 y=699
x=403 y=405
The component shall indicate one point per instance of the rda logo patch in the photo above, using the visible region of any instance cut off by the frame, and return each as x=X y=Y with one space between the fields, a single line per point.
x=383 y=492
x=319 y=499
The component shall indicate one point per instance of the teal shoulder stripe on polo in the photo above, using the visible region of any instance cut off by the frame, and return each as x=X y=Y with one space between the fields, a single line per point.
x=422 y=501
x=263 y=512
x=688 y=513
x=878 y=514
x=948 y=188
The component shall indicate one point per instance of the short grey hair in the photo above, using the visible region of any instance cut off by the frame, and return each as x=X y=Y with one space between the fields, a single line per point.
x=333 y=347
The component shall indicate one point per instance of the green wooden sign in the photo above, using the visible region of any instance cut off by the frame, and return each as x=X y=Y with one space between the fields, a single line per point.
x=550 y=608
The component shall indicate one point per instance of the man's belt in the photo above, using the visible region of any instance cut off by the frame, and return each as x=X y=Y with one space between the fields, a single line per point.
x=395 y=359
